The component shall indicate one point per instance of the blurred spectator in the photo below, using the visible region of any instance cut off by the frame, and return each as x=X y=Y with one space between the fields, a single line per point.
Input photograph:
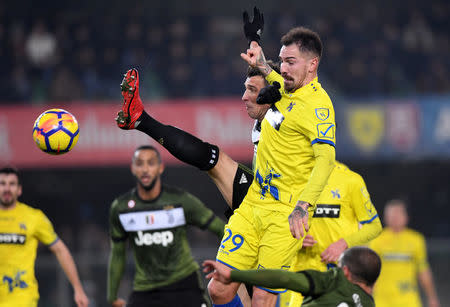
x=40 y=46
x=65 y=86
x=368 y=49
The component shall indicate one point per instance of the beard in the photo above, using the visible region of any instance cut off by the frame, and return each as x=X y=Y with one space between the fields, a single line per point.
x=6 y=203
x=149 y=186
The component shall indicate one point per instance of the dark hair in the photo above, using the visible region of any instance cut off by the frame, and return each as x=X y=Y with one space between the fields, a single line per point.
x=397 y=202
x=363 y=263
x=10 y=170
x=254 y=71
x=148 y=147
x=306 y=40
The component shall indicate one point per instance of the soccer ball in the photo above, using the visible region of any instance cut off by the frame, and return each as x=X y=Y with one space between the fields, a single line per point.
x=56 y=131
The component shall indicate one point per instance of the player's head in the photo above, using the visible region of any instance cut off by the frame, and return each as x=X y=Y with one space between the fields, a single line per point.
x=300 y=56
x=360 y=265
x=147 y=167
x=396 y=214
x=10 y=187
x=253 y=84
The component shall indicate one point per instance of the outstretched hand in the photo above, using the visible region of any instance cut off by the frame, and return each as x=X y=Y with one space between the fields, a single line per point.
x=253 y=30
x=334 y=251
x=217 y=271
x=255 y=58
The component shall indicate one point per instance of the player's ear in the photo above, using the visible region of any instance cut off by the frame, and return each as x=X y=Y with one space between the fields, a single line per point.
x=347 y=272
x=19 y=191
x=313 y=64
x=161 y=168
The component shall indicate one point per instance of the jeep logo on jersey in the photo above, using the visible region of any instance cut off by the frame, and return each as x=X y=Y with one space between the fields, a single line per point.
x=163 y=238
x=327 y=211
x=12 y=238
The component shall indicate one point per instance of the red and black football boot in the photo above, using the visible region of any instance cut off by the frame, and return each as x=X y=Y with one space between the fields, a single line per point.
x=132 y=107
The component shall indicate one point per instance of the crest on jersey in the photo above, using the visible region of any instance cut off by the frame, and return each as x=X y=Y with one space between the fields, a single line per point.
x=322 y=113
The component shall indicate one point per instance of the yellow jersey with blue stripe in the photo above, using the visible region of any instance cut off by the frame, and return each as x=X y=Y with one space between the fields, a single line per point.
x=21 y=228
x=285 y=156
x=403 y=255
x=342 y=206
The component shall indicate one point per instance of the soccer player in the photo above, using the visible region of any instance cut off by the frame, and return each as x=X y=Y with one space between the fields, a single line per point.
x=344 y=217
x=231 y=178
x=21 y=229
x=310 y=141
x=404 y=258
x=349 y=285
x=153 y=218
x=295 y=158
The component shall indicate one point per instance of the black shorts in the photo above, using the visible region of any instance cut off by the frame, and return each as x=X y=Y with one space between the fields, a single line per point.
x=241 y=183
x=190 y=292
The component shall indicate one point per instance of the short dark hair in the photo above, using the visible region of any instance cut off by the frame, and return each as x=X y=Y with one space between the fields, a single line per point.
x=148 y=147
x=306 y=40
x=397 y=202
x=10 y=170
x=363 y=263
x=254 y=71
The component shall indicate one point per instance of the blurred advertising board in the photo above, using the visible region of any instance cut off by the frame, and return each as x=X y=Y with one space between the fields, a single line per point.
x=366 y=130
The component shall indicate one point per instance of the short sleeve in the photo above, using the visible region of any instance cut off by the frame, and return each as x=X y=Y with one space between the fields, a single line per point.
x=420 y=254
x=45 y=232
x=196 y=212
x=116 y=230
x=360 y=199
x=318 y=124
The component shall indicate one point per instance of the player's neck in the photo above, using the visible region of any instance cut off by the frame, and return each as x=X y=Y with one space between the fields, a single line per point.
x=149 y=194
x=308 y=79
x=365 y=287
x=397 y=229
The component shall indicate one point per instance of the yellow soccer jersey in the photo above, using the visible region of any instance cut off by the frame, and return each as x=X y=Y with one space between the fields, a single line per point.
x=20 y=230
x=342 y=206
x=403 y=256
x=285 y=156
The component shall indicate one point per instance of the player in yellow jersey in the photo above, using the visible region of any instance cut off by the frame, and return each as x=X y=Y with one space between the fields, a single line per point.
x=295 y=157
x=21 y=229
x=404 y=260
x=344 y=217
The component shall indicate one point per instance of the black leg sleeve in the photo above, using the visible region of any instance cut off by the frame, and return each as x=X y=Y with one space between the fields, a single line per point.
x=182 y=145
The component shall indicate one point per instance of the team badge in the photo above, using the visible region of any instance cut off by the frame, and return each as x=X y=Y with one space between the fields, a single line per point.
x=322 y=113
x=325 y=131
x=131 y=203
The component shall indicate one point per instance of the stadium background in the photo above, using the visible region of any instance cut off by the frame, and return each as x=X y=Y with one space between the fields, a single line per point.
x=385 y=66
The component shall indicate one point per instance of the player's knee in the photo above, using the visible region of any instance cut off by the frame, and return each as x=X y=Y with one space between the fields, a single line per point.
x=220 y=293
x=263 y=298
